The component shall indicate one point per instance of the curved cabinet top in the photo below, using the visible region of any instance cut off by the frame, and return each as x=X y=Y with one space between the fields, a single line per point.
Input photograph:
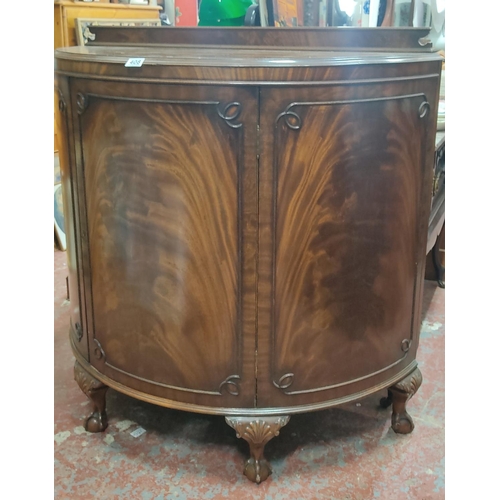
x=281 y=63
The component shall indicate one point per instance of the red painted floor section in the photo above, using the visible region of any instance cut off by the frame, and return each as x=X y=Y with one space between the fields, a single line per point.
x=346 y=453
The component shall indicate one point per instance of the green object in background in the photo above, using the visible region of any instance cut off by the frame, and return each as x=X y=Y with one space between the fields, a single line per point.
x=223 y=12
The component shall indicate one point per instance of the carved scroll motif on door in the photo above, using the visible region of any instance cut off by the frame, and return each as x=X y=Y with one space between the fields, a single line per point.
x=229 y=112
x=294 y=121
x=230 y=385
x=286 y=380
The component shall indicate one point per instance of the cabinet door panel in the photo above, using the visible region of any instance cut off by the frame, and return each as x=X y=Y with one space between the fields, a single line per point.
x=341 y=180
x=72 y=220
x=164 y=172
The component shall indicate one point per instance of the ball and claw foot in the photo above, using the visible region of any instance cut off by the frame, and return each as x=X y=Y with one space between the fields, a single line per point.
x=257 y=432
x=96 y=422
x=96 y=392
x=401 y=422
x=398 y=395
x=257 y=470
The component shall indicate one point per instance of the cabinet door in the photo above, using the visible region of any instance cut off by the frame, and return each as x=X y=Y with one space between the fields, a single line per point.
x=170 y=237
x=72 y=219
x=341 y=245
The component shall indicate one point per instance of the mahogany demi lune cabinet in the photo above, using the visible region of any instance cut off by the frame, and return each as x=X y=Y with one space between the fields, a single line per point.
x=247 y=219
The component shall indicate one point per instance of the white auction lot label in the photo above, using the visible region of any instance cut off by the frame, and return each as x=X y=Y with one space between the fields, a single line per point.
x=135 y=62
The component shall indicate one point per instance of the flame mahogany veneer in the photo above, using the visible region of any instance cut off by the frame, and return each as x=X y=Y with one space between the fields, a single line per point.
x=247 y=221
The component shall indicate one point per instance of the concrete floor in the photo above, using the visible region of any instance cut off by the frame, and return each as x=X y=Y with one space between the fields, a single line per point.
x=346 y=453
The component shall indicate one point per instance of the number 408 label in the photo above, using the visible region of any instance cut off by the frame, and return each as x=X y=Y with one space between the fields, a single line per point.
x=135 y=62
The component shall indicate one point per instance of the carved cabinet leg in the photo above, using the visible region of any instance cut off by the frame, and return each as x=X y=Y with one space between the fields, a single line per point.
x=399 y=394
x=257 y=432
x=96 y=392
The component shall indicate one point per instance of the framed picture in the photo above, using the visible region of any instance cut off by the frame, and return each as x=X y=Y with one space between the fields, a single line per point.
x=84 y=33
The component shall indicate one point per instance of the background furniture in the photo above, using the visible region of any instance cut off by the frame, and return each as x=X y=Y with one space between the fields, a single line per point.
x=65 y=14
x=247 y=221
x=435 y=239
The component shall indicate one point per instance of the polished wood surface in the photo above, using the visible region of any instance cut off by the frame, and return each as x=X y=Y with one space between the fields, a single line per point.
x=351 y=38
x=345 y=187
x=245 y=58
x=169 y=232
x=249 y=225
